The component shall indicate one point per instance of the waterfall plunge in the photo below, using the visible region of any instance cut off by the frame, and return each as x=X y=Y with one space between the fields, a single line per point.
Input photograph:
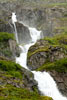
x=46 y=84
x=14 y=19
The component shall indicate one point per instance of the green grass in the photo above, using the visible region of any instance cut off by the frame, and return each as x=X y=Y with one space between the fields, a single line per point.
x=56 y=41
x=6 y=36
x=11 y=68
x=59 y=66
x=10 y=92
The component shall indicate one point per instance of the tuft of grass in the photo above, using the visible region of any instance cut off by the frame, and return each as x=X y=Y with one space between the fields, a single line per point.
x=11 y=68
x=59 y=66
x=4 y=36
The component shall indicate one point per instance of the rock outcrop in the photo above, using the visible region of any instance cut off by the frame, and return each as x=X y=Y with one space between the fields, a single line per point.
x=50 y=54
x=43 y=52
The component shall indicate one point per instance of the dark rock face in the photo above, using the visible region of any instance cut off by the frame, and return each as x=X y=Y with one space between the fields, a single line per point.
x=61 y=80
x=23 y=33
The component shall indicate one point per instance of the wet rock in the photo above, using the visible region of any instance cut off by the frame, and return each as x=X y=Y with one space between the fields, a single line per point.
x=23 y=33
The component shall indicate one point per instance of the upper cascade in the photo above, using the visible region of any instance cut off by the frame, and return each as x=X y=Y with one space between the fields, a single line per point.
x=14 y=19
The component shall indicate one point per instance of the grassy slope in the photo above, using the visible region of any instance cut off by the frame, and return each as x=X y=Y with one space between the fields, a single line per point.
x=11 y=76
x=11 y=72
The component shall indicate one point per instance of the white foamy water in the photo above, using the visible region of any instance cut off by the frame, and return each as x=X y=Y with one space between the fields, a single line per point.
x=22 y=60
x=14 y=19
x=46 y=84
x=35 y=35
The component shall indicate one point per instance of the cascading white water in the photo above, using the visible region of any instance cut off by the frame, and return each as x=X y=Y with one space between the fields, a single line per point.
x=46 y=84
x=22 y=60
x=14 y=19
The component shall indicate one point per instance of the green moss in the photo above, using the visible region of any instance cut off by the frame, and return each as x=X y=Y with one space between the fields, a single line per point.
x=10 y=92
x=11 y=68
x=56 y=41
x=6 y=36
x=59 y=66
x=38 y=50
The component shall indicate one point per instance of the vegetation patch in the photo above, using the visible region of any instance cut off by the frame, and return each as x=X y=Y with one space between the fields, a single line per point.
x=4 y=36
x=56 y=41
x=59 y=66
x=11 y=68
x=10 y=92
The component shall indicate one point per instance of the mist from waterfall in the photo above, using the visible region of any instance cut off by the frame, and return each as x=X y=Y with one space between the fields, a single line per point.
x=46 y=84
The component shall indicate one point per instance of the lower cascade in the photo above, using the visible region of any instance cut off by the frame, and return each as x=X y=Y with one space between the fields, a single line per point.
x=46 y=84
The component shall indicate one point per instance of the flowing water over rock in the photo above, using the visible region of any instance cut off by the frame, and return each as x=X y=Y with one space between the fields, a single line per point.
x=14 y=19
x=46 y=84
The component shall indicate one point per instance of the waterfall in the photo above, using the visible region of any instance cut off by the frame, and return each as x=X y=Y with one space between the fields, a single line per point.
x=46 y=84
x=22 y=60
x=14 y=19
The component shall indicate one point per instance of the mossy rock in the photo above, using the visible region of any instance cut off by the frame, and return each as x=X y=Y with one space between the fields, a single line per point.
x=47 y=42
x=47 y=50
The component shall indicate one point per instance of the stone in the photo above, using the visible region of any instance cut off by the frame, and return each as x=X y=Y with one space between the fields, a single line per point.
x=23 y=33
